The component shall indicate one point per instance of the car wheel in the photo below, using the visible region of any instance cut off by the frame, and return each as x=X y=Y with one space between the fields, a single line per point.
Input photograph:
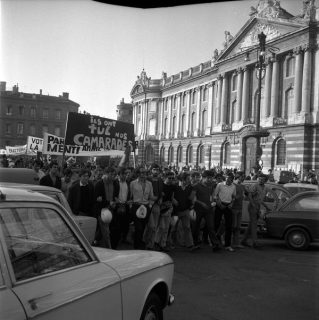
x=297 y=238
x=153 y=308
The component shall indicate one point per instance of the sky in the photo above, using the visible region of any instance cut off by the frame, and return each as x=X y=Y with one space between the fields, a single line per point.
x=95 y=51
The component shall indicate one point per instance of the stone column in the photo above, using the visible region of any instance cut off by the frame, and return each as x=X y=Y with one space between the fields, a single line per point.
x=142 y=119
x=268 y=76
x=219 y=98
x=224 y=103
x=239 y=94
x=169 y=119
x=158 y=118
x=209 y=109
x=189 y=119
x=306 y=81
x=274 y=97
x=186 y=130
x=146 y=117
x=245 y=101
x=178 y=115
x=298 y=79
x=198 y=112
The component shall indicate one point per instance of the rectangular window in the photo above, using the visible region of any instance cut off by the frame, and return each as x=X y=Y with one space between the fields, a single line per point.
x=45 y=129
x=32 y=130
x=21 y=110
x=20 y=128
x=45 y=114
x=9 y=110
x=58 y=114
x=33 y=112
x=8 y=128
x=57 y=131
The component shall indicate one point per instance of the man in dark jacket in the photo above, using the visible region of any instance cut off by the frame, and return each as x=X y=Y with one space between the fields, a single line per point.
x=52 y=179
x=81 y=195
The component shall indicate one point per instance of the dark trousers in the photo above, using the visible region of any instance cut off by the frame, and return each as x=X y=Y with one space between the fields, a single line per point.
x=208 y=215
x=139 y=226
x=227 y=214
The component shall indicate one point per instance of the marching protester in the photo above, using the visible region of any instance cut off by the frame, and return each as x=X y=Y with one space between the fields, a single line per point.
x=152 y=224
x=256 y=194
x=52 y=178
x=166 y=210
x=237 y=208
x=122 y=213
x=202 y=198
x=104 y=196
x=66 y=181
x=224 y=197
x=183 y=205
x=37 y=164
x=142 y=195
x=81 y=195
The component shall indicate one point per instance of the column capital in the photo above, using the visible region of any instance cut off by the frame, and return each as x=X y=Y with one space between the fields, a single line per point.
x=297 y=50
x=219 y=77
x=187 y=91
x=178 y=94
x=197 y=89
x=210 y=84
x=246 y=68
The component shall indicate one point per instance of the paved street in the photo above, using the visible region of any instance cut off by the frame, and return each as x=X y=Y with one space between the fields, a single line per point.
x=272 y=283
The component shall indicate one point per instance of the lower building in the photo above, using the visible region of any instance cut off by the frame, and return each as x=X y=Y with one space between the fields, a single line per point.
x=217 y=113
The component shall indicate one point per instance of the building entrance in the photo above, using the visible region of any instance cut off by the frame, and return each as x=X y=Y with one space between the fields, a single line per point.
x=250 y=154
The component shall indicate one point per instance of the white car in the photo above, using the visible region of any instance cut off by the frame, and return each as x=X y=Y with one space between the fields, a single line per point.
x=50 y=271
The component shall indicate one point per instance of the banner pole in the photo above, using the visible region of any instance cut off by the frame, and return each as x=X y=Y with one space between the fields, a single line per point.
x=63 y=154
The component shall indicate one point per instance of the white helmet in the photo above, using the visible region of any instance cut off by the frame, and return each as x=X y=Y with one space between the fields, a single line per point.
x=141 y=212
x=192 y=214
x=106 y=215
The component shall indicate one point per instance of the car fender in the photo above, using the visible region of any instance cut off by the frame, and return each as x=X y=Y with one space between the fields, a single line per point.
x=294 y=225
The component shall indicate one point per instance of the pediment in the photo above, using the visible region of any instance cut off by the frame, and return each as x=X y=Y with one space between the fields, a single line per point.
x=137 y=89
x=248 y=36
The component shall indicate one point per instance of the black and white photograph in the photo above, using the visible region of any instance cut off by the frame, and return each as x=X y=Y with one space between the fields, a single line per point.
x=159 y=160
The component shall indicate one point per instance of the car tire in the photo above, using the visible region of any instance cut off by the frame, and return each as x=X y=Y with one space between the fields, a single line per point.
x=153 y=308
x=297 y=239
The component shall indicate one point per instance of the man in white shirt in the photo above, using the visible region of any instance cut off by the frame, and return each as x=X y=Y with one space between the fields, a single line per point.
x=224 y=196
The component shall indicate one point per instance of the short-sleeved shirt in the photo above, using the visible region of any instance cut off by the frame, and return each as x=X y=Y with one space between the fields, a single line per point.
x=225 y=192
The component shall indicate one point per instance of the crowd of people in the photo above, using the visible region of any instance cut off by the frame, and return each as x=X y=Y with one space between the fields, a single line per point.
x=162 y=206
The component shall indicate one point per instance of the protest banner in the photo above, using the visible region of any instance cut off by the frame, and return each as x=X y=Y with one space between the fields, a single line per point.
x=16 y=150
x=54 y=145
x=97 y=136
x=34 y=145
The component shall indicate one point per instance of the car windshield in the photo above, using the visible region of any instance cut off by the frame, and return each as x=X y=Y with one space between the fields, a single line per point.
x=39 y=242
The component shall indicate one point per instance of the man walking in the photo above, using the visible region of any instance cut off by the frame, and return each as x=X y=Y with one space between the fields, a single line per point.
x=224 y=197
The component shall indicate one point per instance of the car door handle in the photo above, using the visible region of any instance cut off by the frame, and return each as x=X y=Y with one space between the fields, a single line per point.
x=33 y=301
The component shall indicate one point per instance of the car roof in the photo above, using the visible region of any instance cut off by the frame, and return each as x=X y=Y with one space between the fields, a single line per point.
x=303 y=185
x=19 y=175
x=34 y=187
x=15 y=194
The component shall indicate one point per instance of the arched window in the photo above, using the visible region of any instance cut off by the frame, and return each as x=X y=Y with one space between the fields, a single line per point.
x=189 y=155
x=281 y=152
x=201 y=154
x=152 y=127
x=290 y=67
x=233 y=112
x=165 y=126
x=149 y=154
x=193 y=121
x=227 y=153
x=204 y=121
x=162 y=155
x=179 y=154
x=171 y=154
x=234 y=82
x=289 y=102
x=205 y=94
x=174 y=125
x=194 y=97
x=183 y=124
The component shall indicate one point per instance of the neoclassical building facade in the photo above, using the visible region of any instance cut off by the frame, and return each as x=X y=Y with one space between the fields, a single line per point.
x=206 y=115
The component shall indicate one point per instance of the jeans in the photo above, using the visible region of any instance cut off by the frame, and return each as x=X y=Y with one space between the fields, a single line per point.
x=184 y=219
x=228 y=217
x=208 y=215
x=253 y=211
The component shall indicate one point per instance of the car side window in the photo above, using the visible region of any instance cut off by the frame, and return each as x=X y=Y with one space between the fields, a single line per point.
x=39 y=242
x=281 y=195
x=304 y=204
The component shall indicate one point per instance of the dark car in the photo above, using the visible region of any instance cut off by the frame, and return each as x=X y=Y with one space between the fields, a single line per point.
x=19 y=175
x=296 y=221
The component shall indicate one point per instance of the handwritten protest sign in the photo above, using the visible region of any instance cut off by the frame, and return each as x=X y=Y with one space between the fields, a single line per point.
x=54 y=145
x=96 y=136
x=34 y=145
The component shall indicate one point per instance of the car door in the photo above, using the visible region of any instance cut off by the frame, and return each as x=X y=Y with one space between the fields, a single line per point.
x=54 y=273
